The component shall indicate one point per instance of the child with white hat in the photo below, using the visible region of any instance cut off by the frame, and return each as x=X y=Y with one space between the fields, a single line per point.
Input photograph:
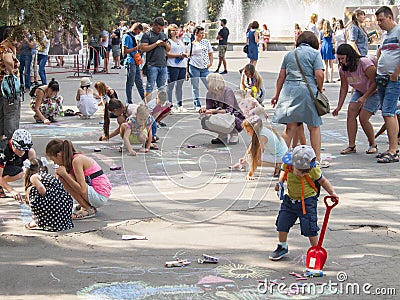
x=85 y=100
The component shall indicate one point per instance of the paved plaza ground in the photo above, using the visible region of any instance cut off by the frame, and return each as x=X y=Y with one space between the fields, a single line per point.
x=187 y=203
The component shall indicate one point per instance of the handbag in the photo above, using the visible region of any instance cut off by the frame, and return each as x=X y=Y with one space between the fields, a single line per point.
x=321 y=102
x=221 y=123
x=246 y=49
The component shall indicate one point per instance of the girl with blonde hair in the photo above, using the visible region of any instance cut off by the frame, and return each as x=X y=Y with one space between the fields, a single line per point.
x=266 y=149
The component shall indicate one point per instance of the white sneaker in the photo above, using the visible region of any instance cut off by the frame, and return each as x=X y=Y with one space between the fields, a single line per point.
x=323 y=164
x=181 y=109
x=233 y=139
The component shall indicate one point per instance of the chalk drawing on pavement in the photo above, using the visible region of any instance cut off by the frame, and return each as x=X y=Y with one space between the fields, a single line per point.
x=242 y=271
x=117 y=271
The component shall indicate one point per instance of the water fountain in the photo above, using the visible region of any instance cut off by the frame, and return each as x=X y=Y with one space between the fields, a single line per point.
x=197 y=10
x=280 y=16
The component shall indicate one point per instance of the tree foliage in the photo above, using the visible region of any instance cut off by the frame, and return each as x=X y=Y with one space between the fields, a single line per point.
x=35 y=15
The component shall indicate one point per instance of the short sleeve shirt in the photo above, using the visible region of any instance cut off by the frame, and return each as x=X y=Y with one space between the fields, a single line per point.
x=9 y=158
x=358 y=79
x=224 y=33
x=310 y=60
x=294 y=183
x=359 y=36
x=129 y=43
x=200 y=50
x=157 y=56
x=390 y=51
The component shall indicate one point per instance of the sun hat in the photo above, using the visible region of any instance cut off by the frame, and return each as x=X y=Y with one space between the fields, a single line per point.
x=302 y=157
x=85 y=81
x=21 y=139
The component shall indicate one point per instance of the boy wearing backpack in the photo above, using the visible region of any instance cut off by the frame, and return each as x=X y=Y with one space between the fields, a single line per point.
x=10 y=104
x=304 y=178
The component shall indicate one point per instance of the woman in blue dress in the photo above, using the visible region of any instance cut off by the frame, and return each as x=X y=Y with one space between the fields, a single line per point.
x=253 y=37
x=327 y=42
x=292 y=99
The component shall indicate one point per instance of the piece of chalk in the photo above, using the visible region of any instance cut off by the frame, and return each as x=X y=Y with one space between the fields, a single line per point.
x=97 y=150
x=115 y=168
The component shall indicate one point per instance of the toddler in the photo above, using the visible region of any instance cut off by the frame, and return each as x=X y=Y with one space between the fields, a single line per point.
x=303 y=177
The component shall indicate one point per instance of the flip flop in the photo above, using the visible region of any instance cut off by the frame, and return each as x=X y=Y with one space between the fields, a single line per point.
x=372 y=149
x=84 y=213
x=348 y=150
x=31 y=225
x=154 y=147
x=2 y=193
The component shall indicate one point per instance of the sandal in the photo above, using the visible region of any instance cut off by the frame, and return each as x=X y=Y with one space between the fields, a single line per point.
x=372 y=149
x=277 y=171
x=2 y=193
x=154 y=147
x=238 y=167
x=388 y=158
x=84 y=213
x=382 y=154
x=348 y=150
x=31 y=225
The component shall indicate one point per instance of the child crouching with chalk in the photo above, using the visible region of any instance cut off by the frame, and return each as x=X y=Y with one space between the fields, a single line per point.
x=303 y=175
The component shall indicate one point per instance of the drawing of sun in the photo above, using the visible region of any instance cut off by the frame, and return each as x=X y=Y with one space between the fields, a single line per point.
x=242 y=271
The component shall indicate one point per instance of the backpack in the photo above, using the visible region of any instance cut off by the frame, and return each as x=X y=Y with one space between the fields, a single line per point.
x=11 y=88
x=33 y=89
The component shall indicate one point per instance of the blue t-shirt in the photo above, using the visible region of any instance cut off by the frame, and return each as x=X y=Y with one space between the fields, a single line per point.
x=129 y=42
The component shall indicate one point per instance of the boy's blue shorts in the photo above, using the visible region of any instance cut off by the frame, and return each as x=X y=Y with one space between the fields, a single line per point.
x=291 y=210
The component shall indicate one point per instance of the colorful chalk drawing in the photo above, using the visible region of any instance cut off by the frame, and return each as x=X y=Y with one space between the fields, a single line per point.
x=210 y=286
x=242 y=271
x=63 y=130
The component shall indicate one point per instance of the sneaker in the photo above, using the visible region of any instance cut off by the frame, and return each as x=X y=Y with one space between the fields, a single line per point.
x=162 y=124
x=182 y=109
x=216 y=71
x=323 y=164
x=233 y=139
x=224 y=72
x=279 y=253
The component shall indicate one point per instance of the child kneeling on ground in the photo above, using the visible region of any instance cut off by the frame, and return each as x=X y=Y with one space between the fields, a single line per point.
x=85 y=100
x=81 y=176
x=300 y=169
x=160 y=107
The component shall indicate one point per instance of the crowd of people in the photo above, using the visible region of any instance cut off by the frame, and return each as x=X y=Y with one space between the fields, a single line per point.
x=167 y=55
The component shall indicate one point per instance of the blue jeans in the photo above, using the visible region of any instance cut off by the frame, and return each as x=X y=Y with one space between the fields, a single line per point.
x=176 y=76
x=42 y=59
x=153 y=127
x=155 y=75
x=133 y=77
x=25 y=64
x=389 y=96
x=195 y=74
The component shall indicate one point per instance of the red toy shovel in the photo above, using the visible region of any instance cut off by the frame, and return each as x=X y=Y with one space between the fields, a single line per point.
x=316 y=255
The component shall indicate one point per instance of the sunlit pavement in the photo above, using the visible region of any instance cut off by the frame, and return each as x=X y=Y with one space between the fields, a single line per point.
x=187 y=203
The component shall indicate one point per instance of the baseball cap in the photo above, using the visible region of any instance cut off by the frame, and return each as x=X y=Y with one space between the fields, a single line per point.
x=21 y=139
x=302 y=157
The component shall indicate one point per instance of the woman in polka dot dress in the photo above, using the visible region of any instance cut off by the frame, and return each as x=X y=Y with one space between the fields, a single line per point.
x=50 y=203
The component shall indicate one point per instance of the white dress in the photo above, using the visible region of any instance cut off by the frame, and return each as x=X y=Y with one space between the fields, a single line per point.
x=87 y=105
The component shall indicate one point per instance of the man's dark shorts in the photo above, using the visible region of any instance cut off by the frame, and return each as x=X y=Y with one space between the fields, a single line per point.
x=12 y=170
x=291 y=210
